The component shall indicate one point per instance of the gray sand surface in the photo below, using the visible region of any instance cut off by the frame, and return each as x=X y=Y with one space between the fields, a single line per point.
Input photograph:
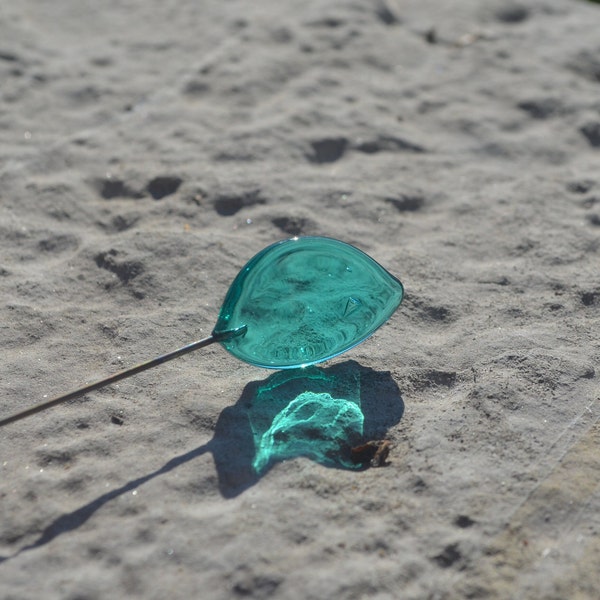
x=149 y=148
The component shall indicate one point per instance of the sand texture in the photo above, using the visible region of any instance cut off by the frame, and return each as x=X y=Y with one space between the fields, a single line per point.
x=149 y=148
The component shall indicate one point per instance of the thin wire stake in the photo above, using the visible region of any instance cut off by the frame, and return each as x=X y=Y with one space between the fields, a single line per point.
x=159 y=360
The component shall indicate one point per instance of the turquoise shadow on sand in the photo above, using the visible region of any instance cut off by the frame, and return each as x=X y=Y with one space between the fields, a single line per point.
x=306 y=412
x=275 y=419
x=314 y=413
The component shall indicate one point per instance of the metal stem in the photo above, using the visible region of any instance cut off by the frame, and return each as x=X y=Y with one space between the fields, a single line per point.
x=215 y=337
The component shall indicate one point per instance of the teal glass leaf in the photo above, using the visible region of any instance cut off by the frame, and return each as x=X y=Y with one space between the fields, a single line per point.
x=306 y=300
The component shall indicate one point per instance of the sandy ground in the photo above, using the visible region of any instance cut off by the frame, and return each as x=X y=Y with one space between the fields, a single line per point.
x=148 y=148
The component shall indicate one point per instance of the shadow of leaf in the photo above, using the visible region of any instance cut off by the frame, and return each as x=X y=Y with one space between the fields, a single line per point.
x=317 y=413
x=276 y=419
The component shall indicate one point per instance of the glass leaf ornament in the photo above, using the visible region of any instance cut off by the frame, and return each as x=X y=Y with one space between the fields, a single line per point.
x=304 y=301
x=296 y=303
